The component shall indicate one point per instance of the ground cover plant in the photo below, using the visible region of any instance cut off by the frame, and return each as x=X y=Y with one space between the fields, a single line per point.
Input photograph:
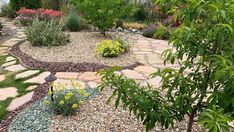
x=204 y=46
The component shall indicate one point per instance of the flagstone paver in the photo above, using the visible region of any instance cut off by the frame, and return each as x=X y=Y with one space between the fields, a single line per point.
x=89 y=76
x=15 y=68
x=145 y=69
x=17 y=102
x=2 y=77
x=67 y=75
x=31 y=87
x=133 y=74
x=26 y=74
x=10 y=58
x=154 y=59
x=8 y=63
x=38 y=79
x=7 y=92
x=9 y=43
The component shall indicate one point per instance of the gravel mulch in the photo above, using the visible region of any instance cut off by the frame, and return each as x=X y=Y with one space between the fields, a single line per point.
x=59 y=66
x=7 y=33
x=81 y=49
x=97 y=116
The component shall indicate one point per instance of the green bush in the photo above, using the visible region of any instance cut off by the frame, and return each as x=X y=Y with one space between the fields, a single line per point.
x=43 y=33
x=101 y=13
x=161 y=32
x=66 y=102
x=119 y=23
x=110 y=48
x=73 y=22
x=141 y=14
x=30 y=4
x=7 y=11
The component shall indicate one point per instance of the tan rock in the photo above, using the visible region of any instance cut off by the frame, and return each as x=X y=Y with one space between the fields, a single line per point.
x=2 y=77
x=89 y=76
x=67 y=75
x=31 y=87
x=7 y=93
x=26 y=74
x=15 y=68
x=10 y=58
x=154 y=59
x=8 y=63
x=38 y=79
x=145 y=69
x=17 y=102
x=133 y=74
x=9 y=43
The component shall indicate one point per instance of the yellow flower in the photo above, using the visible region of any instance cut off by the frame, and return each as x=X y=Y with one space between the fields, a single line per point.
x=50 y=93
x=81 y=102
x=80 y=91
x=46 y=102
x=86 y=94
x=67 y=97
x=74 y=106
x=61 y=102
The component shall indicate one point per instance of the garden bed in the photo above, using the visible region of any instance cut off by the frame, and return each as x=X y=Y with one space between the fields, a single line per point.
x=81 y=49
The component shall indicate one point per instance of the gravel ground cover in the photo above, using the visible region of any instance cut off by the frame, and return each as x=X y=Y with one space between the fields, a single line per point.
x=7 y=33
x=97 y=116
x=81 y=49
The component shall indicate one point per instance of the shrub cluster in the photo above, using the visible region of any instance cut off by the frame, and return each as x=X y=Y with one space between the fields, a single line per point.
x=133 y=25
x=111 y=48
x=32 y=4
x=73 y=22
x=46 y=33
x=7 y=11
x=67 y=101
x=149 y=31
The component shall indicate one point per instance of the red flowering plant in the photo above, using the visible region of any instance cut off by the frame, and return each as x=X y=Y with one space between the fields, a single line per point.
x=26 y=16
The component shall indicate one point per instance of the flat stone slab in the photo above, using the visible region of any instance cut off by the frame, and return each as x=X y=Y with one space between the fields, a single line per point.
x=26 y=74
x=2 y=77
x=31 y=87
x=15 y=68
x=154 y=59
x=7 y=93
x=9 y=43
x=67 y=75
x=133 y=74
x=17 y=102
x=8 y=63
x=38 y=79
x=145 y=69
x=68 y=85
x=92 y=84
x=10 y=58
x=89 y=76
x=3 y=50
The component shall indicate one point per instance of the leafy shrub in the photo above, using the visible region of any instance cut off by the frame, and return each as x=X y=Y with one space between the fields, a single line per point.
x=31 y=4
x=133 y=25
x=67 y=101
x=149 y=31
x=7 y=11
x=161 y=32
x=24 y=20
x=110 y=48
x=119 y=23
x=141 y=14
x=43 y=33
x=73 y=22
x=101 y=13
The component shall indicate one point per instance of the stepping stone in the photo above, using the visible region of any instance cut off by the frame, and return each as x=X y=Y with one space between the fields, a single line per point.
x=133 y=74
x=154 y=59
x=89 y=76
x=31 y=87
x=68 y=84
x=9 y=43
x=2 y=77
x=141 y=58
x=38 y=79
x=15 y=68
x=67 y=75
x=155 y=81
x=3 y=50
x=7 y=92
x=17 y=102
x=26 y=74
x=92 y=84
x=10 y=58
x=8 y=63
x=145 y=69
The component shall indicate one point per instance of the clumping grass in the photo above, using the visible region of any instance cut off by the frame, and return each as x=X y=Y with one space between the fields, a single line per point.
x=10 y=81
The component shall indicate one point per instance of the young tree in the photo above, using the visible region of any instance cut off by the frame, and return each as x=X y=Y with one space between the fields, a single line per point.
x=101 y=13
x=204 y=46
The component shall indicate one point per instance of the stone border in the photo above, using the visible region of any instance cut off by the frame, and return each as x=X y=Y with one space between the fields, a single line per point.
x=39 y=92
x=59 y=66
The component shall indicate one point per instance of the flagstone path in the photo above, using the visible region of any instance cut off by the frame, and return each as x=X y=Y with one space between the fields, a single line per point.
x=147 y=51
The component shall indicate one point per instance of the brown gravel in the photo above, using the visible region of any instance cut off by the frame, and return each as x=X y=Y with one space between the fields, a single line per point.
x=97 y=116
x=7 y=33
x=81 y=49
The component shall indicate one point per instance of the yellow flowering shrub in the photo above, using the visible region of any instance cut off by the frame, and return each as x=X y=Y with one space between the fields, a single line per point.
x=110 y=48
x=134 y=25
x=66 y=101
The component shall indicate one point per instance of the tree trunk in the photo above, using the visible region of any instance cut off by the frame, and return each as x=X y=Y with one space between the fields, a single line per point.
x=191 y=120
